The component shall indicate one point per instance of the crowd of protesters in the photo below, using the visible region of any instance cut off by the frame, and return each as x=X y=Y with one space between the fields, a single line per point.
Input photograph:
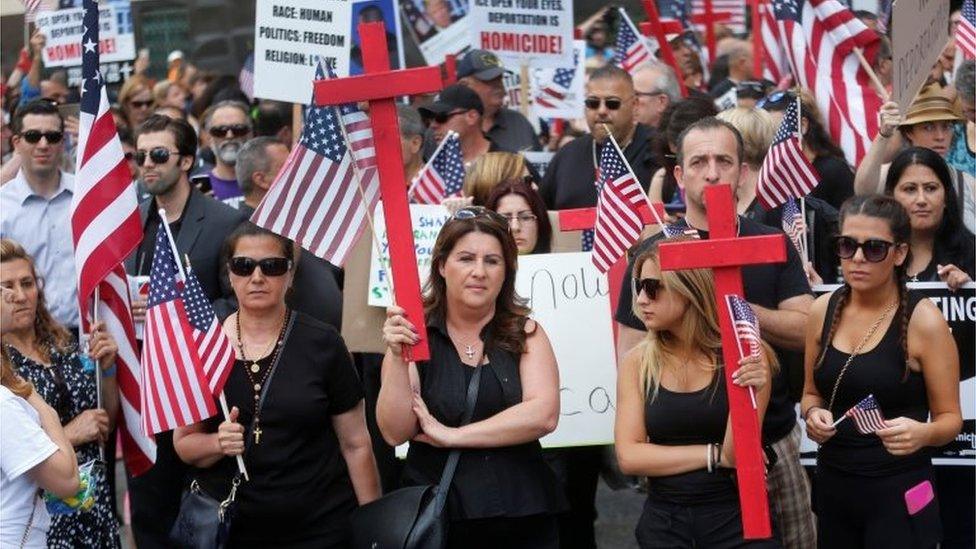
x=203 y=154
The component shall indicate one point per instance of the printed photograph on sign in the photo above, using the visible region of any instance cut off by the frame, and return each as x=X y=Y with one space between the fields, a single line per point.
x=438 y=27
x=372 y=11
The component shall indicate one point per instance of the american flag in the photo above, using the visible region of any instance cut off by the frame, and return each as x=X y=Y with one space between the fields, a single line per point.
x=175 y=391
x=33 y=7
x=215 y=349
x=867 y=416
x=443 y=175
x=820 y=37
x=786 y=172
x=681 y=12
x=317 y=200
x=618 y=221
x=553 y=94
x=735 y=8
x=776 y=64
x=246 y=78
x=966 y=30
x=746 y=331
x=586 y=240
x=793 y=225
x=631 y=50
x=106 y=228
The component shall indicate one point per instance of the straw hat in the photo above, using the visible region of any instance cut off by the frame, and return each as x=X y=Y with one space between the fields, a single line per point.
x=930 y=106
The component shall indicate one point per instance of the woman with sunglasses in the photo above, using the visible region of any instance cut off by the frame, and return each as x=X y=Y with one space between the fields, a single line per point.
x=136 y=100
x=874 y=337
x=672 y=422
x=44 y=353
x=528 y=220
x=942 y=248
x=503 y=493
x=296 y=412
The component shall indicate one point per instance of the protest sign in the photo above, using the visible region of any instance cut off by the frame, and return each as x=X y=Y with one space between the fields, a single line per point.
x=559 y=92
x=427 y=221
x=439 y=27
x=368 y=11
x=539 y=32
x=289 y=38
x=63 y=30
x=918 y=34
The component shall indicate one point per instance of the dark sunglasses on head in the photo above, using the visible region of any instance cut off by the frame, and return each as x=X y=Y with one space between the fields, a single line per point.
x=650 y=287
x=443 y=117
x=874 y=249
x=750 y=89
x=612 y=103
x=34 y=136
x=237 y=130
x=472 y=212
x=141 y=104
x=775 y=99
x=158 y=155
x=270 y=266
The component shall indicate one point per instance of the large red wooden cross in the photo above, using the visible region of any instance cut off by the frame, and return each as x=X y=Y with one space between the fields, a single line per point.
x=725 y=254
x=660 y=29
x=380 y=86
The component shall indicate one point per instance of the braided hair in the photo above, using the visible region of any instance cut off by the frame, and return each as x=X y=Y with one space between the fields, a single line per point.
x=889 y=209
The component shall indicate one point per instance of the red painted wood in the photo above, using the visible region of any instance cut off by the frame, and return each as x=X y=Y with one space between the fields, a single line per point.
x=380 y=86
x=450 y=69
x=726 y=268
x=709 y=18
x=653 y=27
x=585 y=218
x=757 y=44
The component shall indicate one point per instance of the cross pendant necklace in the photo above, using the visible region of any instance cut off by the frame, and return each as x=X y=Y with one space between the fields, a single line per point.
x=469 y=351
x=257 y=433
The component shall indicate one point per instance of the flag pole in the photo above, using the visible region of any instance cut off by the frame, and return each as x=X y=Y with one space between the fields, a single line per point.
x=96 y=297
x=803 y=205
x=179 y=265
x=878 y=86
x=647 y=199
x=416 y=180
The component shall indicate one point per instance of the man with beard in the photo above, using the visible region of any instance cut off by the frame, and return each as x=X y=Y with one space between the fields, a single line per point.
x=229 y=126
x=165 y=151
x=35 y=206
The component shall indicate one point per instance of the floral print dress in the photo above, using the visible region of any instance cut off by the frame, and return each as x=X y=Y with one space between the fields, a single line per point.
x=70 y=390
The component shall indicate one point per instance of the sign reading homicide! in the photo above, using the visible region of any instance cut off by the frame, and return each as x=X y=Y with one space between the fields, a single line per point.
x=539 y=32
x=64 y=31
x=289 y=38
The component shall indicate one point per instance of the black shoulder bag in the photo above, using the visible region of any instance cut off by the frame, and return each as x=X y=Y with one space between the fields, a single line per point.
x=204 y=522
x=413 y=517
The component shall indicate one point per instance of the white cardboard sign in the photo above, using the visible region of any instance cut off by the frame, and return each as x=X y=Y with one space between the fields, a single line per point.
x=427 y=221
x=539 y=32
x=64 y=31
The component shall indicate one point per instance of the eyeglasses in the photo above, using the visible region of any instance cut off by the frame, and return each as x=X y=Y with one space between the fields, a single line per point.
x=612 y=103
x=141 y=104
x=158 y=155
x=774 y=99
x=443 y=117
x=270 y=266
x=875 y=250
x=650 y=287
x=34 y=136
x=237 y=130
x=472 y=212
x=129 y=155
x=523 y=218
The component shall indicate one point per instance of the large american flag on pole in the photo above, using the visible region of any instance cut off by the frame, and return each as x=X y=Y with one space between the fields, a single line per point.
x=736 y=8
x=175 y=389
x=106 y=228
x=215 y=349
x=631 y=50
x=867 y=416
x=786 y=172
x=327 y=185
x=776 y=64
x=443 y=175
x=966 y=30
x=618 y=221
x=819 y=38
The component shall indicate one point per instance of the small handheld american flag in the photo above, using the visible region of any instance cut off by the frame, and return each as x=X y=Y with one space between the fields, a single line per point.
x=618 y=220
x=786 y=172
x=631 y=50
x=866 y=415
x=443 y=176
x=793 y=226
x=216 y=352
x=746 y=331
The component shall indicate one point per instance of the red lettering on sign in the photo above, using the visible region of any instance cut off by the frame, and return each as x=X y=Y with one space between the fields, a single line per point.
x=521 y=43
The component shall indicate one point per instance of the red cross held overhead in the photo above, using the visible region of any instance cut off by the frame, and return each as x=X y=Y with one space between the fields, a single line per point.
x=654 y=26
x=379 y=86
x=725 y=254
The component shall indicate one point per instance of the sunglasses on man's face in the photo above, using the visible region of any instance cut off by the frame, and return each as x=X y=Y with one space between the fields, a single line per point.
x=875 y=250
x=237 y=130
x=612 y=103
x=34 y=136
x=158 y=155
x=650 y=287
x=270 y=266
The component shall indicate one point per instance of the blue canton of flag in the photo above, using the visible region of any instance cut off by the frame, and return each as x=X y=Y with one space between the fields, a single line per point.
x=164 y=277
x=451 y=167
x=587 y=240
x=91 y=78
x=618 y=219
x=787 y=10
x=322 y=134
x=553 y=94
x=630 y=50
x=442 y=176
x=679 y=10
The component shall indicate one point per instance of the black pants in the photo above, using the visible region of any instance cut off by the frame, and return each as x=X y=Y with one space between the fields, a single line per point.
x=390 y=468
x=713 y=525
x=578 y=470
x=154 y=496
x=532 y=532
x=855 y=511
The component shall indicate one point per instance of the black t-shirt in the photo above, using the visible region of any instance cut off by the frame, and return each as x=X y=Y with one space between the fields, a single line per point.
x=836 y=180
x=570 y=178
x=766 y=285
x=300 y=492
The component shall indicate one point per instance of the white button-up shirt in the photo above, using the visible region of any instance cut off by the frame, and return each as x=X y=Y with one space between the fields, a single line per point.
x=43 y=227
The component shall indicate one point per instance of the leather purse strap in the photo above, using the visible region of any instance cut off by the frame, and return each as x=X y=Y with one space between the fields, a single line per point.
x=452 y=460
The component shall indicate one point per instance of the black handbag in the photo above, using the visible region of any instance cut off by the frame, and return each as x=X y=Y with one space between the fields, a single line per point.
x=413 y=517
x=203 y=521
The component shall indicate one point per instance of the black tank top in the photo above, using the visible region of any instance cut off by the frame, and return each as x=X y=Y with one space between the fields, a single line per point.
x=682 y=419
x=881 y=372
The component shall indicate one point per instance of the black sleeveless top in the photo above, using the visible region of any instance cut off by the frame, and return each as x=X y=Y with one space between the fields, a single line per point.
x=508 y=481
x=682 y=419
x=881 y=372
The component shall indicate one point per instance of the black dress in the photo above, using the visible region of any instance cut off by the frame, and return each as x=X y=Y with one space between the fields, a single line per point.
x=300 y=494
x=499 y=495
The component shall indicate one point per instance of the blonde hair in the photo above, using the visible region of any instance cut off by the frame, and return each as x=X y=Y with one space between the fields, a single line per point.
x=131 y=87
x=490 y=170
x=757 y=130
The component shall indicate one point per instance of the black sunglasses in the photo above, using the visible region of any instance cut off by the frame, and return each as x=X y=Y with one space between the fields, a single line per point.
x=612 y=103
x=270 y=266
x=34 y=136
x=875 y=250
x=774 y=99
x=141 y=104
x=443 y=117
x=237 y=130
x=158 y=155
x=650 y=287
x=750 y=89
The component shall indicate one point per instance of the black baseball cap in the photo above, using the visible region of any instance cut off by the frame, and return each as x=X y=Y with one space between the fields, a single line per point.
x=453 y=98
x=481 y=64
